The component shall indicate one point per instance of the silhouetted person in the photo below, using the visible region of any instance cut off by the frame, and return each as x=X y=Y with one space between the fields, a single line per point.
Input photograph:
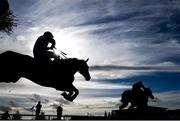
x=38 y=109
x=6 y=116
x=41 y=50
x=105 y=114
x=59 y=112
x=4 y=7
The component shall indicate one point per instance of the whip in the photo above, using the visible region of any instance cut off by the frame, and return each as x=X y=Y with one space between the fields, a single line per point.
x=61 y=52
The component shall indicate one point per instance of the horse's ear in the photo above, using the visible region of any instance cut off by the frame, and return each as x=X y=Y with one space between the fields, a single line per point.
x=87 y=60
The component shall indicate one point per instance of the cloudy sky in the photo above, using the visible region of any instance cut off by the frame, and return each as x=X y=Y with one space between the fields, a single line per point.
x=126 y=40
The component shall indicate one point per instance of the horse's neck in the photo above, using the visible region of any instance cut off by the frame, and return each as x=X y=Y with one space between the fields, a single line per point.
x=146 y=95
x=75 y=69
x=70 y=65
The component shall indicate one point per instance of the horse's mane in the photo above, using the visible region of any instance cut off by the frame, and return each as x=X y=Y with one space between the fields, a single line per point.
x=72 y=61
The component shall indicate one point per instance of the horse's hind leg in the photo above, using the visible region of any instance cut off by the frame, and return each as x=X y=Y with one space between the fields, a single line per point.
x=125 y=103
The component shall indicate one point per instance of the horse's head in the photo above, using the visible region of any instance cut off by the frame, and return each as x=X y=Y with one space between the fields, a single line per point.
x=84 y=69
x=73 y=65
x=148 y=92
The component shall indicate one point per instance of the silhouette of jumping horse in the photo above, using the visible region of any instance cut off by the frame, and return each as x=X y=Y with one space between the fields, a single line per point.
x=58 y=74
x=139 y=100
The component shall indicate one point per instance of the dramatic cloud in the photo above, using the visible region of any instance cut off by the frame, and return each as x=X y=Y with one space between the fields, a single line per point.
x=167 y=99
x=171 y=68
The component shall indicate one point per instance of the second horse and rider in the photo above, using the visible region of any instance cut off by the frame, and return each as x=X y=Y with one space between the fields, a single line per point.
x=137 y=97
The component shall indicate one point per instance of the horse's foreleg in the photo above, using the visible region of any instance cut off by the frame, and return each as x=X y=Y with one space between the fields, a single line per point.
x=67 y=96
x=76 y=92
x=71 y=95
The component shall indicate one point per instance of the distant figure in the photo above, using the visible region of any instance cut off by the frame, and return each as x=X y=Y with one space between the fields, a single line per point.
x=16 y=116
x=105 y=114
x=4 y=7
x=41 y=48
x=6 y=116
x=59 y=112
x=138 y=97
x=38 y=109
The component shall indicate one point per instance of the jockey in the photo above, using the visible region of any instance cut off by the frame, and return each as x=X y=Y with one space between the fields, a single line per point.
x=138 y=89
x=41 y=50
x=138 y=86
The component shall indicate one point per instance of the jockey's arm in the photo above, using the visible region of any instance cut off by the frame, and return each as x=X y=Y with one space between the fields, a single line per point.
x=141 y=85
x=53 y=42
x=138 y=85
